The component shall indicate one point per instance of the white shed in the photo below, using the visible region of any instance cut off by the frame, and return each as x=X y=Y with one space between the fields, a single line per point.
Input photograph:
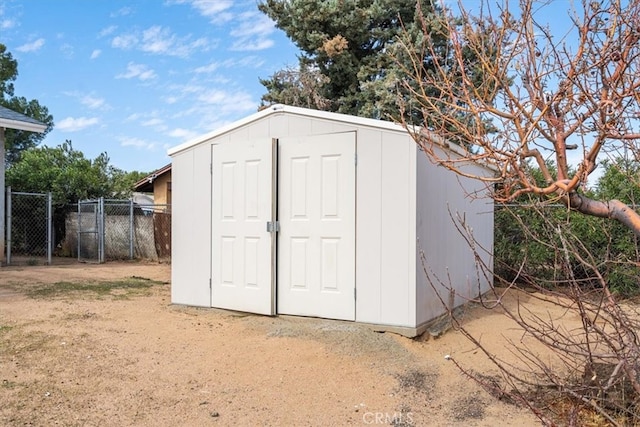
x=310 y=213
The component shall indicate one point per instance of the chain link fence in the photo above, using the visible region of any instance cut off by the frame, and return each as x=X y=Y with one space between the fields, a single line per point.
x=103 y=230
x=97 y=230
x=29 y=228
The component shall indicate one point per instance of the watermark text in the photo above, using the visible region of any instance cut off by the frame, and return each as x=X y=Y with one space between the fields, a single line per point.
x=373 y=418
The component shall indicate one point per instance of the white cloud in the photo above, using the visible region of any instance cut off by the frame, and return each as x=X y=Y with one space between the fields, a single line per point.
x=107 y=31
x=210 y=124
x=176 y=93
x=71 y=124
x=156 y=123
x=124 y=11
x=5 y=24
x=96 y=53
x=127 y=41
x=203 y=44
x=183 y=133
x=88 y=100
x=67 y=50
x=171 y=99
x=152 y=122
x=255 y=44
x=210 y=68
x=253 y=24
x=228 y=101
x=161 y=41
x=216 y=10
x=253 y=32
x=248 y=61
x=92 y=102
x=190 y=88
x=132 y=141
x=31 y=47
x=186 y=112
x=139 y=71
x=157 y=40
x=251 y=61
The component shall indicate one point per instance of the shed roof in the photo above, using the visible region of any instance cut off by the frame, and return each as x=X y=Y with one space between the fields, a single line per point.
x=281 y=109
x=10 y=119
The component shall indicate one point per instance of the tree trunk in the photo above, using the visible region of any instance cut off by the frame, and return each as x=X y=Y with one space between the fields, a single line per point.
x=614 y=209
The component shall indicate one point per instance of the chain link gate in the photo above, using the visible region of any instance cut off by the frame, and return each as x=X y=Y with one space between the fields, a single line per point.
x=119 y=229
x=29 y=232
x=111 y=229
x=91 y=230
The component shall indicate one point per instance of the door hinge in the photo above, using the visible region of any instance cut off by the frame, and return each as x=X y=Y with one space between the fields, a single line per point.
x=355 y=293
x=355 y=159
x=209 y=283
x=210 y=168
x=273 y=226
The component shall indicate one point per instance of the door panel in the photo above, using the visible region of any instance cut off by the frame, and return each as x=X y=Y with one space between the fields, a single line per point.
x=242 y=272
x=316 y=211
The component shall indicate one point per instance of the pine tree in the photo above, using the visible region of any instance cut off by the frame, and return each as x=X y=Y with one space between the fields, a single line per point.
x=349 y=45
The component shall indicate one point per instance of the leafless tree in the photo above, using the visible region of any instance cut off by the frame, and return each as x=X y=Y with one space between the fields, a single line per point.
x=557 y=100
x=542 y=92
x=300 y=87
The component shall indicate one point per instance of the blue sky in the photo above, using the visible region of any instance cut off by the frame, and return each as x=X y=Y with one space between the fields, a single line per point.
x=134 y=78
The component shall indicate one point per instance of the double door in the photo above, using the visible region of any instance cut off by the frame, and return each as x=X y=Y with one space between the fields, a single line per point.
x=283 y=226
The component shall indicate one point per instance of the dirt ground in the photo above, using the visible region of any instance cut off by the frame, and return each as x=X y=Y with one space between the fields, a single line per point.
x=73 y=355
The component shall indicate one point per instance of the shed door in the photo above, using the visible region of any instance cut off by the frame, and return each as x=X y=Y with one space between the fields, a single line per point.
x=316 y=212
x=242 y=248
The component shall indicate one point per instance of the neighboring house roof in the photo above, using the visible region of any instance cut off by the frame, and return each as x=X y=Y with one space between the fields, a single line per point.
x=145 y=185
x=10 y=119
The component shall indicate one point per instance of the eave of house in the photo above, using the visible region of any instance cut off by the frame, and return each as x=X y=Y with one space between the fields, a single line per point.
x=10 y=119
x=145 y=185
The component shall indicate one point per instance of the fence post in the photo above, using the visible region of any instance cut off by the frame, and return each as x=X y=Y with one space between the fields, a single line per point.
x=101 y=236
x=49 y=228
x=79 y=227
x=131 y=225
x=8 y=205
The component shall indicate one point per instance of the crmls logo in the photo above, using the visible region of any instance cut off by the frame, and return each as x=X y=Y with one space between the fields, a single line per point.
x=387 y=417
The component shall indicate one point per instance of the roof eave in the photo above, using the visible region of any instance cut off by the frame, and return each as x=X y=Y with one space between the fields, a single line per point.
x=280 y=108
x=147 y=181
x=222 y=130
x=20 y=125
x=306 y=112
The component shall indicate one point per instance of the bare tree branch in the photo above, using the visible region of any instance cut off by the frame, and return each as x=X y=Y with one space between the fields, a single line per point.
x=531 y=94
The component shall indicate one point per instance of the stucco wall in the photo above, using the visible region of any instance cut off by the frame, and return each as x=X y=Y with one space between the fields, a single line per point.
x=160 y=189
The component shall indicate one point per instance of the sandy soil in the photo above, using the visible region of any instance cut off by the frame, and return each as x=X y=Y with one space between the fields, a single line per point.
x=130 y=357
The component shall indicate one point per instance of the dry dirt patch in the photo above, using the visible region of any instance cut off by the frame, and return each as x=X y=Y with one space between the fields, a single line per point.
x=78 y=356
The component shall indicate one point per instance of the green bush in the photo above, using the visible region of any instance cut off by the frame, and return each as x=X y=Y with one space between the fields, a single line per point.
x=529 y=238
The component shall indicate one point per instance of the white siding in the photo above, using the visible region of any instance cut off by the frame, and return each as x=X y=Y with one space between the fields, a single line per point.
x=442 y=197
x=296 y=126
